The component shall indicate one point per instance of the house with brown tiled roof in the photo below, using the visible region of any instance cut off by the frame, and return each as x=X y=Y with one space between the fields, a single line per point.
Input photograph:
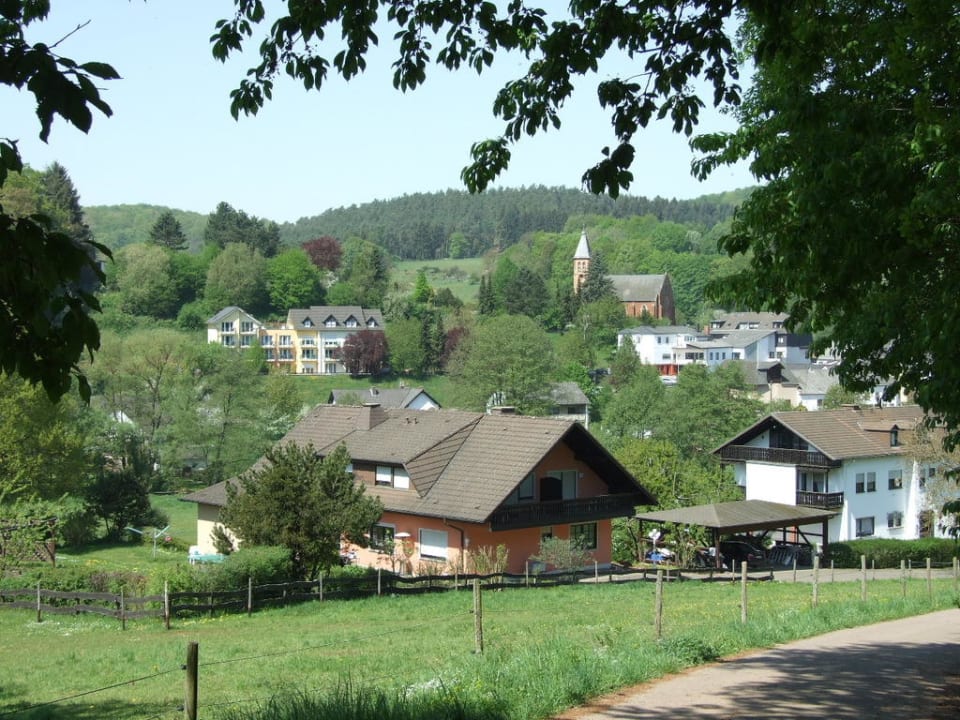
x=411 y=398
x=453 y=482
x=864 y=463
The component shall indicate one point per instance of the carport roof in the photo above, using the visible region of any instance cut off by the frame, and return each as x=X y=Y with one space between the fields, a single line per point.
x=741 y=516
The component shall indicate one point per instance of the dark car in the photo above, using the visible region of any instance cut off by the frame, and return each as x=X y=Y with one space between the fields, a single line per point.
x=739 y=551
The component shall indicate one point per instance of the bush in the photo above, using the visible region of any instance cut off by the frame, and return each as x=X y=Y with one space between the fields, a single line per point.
x=887 y=553
x=263 y=564
x=81 y=579
x=76 y=522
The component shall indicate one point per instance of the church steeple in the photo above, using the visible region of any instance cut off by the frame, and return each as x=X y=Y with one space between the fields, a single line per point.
x=581 y=261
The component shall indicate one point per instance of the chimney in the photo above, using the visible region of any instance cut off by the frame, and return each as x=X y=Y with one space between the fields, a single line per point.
x=371 y=415
x=503 y=410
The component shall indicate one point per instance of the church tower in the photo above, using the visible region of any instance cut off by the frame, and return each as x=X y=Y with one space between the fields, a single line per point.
x=581 y=262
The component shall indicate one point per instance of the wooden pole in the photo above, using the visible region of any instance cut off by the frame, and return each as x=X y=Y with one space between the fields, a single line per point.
x=477 y=618
x=378 y=582
x=321 y=587
x=743 y=592
x=816 y=579
x=190 y=697
x=833 y=576
x=873 y=567
x=123 y=612
x=596 y=573
x=658 y=606
x=166 y=604
x=794 y=567
x=249 y=595
x=929 y=582
x=956 y=574
x=39 y=612
x=526 y=574
x=863 y=578
x=903 y=578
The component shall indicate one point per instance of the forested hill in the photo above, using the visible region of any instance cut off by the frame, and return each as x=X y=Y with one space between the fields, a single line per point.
x=457 y=224
x=429 y=225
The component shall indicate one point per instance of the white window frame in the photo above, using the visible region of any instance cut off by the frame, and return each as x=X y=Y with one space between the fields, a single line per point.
x=433 y=544
x=895 y=480
x=861 y=523
x=895 y=520
x=390 y=476
x=388 y=534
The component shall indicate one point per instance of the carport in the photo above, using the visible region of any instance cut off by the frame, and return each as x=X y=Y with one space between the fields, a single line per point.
x=730 y=518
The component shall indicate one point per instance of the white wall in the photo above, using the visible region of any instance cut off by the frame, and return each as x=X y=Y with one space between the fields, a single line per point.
x=773 y=483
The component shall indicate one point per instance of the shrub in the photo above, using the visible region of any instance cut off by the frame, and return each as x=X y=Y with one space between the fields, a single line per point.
x=887 y=553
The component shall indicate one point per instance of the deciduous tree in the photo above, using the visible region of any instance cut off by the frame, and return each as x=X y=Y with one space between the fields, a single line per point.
x=324 y=252
x=365 y=352
x=293 y=281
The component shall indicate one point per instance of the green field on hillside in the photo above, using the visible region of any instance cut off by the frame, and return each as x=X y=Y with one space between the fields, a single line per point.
x=544 y=649
x=462 y=276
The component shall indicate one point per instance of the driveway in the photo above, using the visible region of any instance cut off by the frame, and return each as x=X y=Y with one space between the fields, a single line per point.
x=903 y=669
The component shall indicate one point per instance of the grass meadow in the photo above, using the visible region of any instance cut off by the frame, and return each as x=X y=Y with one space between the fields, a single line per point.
x=414 y=656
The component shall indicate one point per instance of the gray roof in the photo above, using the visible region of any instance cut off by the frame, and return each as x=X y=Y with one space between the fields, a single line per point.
x=740 y=516
x=227 y=312
x=736 y=339
x=583 y=248
x=568 y=393
x=638 y=288
x=661 y=330
x=318 y=315
x=811 y=379
x=850 y=432
x=462 y=465
x=764 y=320
x=387 y=397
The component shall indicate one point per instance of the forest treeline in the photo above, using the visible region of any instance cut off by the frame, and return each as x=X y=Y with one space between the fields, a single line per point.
x=432 y=225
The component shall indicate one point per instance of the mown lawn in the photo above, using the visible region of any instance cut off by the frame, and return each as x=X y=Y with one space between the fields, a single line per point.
x=461 y=277
x=545 y=649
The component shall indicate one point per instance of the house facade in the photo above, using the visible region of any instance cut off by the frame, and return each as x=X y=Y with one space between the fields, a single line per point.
x=864 y=463
x=454 y=482
x=412 y=398
x=308 y=342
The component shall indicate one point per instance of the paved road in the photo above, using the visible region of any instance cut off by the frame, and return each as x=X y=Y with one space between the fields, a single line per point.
x=904 y=670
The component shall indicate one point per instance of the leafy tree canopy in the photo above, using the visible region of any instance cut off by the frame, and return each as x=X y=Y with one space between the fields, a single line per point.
x=305 y=503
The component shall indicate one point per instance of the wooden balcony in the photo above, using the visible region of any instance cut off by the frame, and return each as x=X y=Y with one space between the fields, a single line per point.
x=826 y=501
x=780 y=456
x=559 y=512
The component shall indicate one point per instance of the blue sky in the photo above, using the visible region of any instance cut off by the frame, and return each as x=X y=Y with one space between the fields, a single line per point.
x=172 y=141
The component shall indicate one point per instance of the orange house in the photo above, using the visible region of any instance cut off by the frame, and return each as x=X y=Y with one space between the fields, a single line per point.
x=455 y=484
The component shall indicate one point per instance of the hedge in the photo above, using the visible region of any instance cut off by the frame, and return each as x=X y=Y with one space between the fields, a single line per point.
x=887 y=553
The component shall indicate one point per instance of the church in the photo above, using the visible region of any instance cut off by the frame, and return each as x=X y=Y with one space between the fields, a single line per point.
x=650 y=294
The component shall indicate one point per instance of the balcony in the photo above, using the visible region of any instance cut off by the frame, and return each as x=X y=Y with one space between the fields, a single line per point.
x=559 y=512
x=781 y=456
x=825 y=501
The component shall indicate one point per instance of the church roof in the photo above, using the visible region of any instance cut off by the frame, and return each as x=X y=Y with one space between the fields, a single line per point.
x=583 y=248
x=637 y=288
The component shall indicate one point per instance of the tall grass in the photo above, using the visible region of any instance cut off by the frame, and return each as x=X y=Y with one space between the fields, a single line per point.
x=545 y=650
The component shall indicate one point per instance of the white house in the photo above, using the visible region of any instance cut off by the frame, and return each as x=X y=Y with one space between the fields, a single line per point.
x=410 y=398
x=668 y=347
x=234 y=327
x=860 y=462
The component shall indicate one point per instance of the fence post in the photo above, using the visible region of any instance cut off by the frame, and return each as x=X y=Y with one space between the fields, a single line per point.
x=166 y=604
x=190 y=698
x=123 y=612
x=863 y=578
x=956 y=573
x=794 y=567
x=378 y=582
x=658 y=606
x=929 y=582
x=743 y=592
x=39 y=612
x=321 y=587
x=596 y=573
x=833 y=576
x=526 y=574
x=816 y=579
x=477 y=618
x=903 y=578
x=873 y=568
x=249 y=595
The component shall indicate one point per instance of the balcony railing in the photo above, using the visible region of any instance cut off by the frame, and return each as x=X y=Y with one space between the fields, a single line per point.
x=558 y=512
x=827 y=501
x=782 y=456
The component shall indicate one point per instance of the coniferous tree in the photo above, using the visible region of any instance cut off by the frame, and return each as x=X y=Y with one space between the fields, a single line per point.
x=62 y=195
x=486 y=303
x=167 y=232
x=597 y=285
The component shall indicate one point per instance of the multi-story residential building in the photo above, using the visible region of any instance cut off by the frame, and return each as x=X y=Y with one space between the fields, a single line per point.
x=865 y=464
x=308 y=342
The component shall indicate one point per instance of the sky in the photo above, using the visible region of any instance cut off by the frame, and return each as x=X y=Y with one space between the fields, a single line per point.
x=171 y=140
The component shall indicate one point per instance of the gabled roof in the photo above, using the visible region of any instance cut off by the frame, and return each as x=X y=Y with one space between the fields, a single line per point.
x=811 y=379
x=568 y=393
x=387 y=397
x=849 y=432
x=318 y=315
x=724 y=321
x=638 y=288
x=734 y=339
x=229 y=311
x=462 y=465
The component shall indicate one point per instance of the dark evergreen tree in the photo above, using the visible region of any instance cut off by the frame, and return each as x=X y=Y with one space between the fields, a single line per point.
x=167 y=232
x=62 y=195
x=486 y=303
x=526 y=294
x=597 y=285
x=227 y=225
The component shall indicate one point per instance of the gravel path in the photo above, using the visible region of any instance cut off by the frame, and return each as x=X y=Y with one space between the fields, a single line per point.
x=903 y=669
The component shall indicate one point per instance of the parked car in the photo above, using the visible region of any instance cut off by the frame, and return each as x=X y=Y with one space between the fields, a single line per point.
x=738 y=551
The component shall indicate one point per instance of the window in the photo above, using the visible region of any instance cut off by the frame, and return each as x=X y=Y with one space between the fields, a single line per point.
x=894 y=437
x=352 y=322
x=812 y=482
x=267 y=341
x=330 y=368
x=866 y=482
x=308 y=341
x=286 y=354
x=895 y=480
x=246 y=341
x=381 y=537
x=371 y=323
x=864 y=526
x=308 y=370
x=284 y=341
x=308 y=354
x=926 y=473
x=584 y=535
x=433 y=544
x=226 y=327
x=246 y=326
x=331 y=353
x=388 y=476
x=895 y=519
x=268 y=354
x=526 y=487
x=228 y=341
x=330 y=322
x=308 y=322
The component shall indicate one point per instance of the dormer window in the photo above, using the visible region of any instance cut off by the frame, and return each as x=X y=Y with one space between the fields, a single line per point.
x=894 y=436
x=371 y=323
x=330 y=322
x=308 y=322
x=351 y=322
